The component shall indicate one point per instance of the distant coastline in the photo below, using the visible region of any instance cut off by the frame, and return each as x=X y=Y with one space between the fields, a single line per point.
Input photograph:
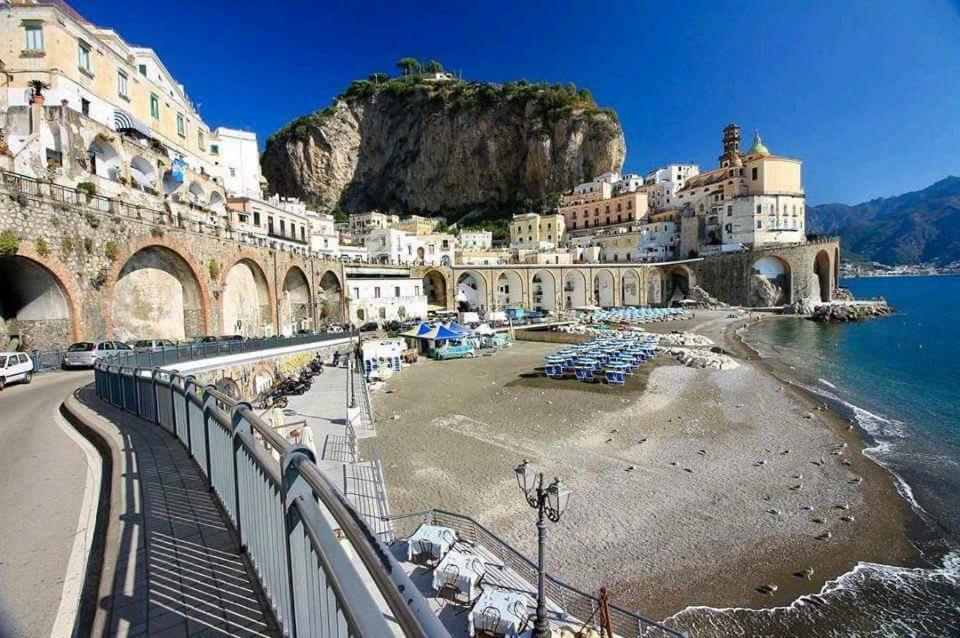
x=873 y=271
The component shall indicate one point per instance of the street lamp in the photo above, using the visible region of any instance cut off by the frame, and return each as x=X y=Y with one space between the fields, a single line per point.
x=550 y=502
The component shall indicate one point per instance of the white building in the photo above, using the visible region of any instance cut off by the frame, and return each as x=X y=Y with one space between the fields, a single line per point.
x=663 y=183
x=475 y=240
x=381 y=295
x=658 y=241
x=237 y=157
x=392 y=246
x=363 y=222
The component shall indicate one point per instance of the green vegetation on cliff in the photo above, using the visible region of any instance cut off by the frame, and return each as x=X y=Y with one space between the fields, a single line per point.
x=554 y=101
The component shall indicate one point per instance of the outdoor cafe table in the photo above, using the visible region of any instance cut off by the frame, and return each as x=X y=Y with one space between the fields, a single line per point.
x=502 y=611
x=463 y=569
x=438 y=537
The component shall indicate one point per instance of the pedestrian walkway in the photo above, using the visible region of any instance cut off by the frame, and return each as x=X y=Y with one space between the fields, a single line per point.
x=178 y=571
x=325 y=409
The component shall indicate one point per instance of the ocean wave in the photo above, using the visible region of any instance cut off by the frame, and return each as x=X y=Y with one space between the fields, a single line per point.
x=869 y=600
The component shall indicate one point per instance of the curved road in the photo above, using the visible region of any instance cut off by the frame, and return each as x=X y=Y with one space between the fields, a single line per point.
x=43 y=475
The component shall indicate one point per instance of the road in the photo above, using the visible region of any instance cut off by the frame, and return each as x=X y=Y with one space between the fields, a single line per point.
x=43 y=477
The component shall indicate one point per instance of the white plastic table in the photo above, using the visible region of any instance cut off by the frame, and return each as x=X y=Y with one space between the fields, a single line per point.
x=463 y=569
x=502 y=611
x=439 y=537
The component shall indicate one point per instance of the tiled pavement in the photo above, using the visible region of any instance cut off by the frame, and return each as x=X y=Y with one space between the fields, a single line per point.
x=179 y=572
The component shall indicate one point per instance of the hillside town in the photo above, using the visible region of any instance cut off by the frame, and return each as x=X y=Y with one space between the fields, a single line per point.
x=84 y=109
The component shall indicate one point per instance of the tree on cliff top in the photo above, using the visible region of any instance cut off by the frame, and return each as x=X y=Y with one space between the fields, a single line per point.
x=408 y=66
x=434 y=67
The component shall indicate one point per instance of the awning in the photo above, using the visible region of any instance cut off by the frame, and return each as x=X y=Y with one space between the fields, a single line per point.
x=123 y=121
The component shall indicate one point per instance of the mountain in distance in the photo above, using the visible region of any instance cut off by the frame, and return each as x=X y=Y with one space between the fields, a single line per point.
x=918 y=227
x=434 y=144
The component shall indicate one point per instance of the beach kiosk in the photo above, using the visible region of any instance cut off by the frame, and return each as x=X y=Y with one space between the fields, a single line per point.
x=450 y=341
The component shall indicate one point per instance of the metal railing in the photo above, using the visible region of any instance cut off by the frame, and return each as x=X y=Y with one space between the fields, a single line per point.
x=292 y=521
x=196 y=351
x=573 y=602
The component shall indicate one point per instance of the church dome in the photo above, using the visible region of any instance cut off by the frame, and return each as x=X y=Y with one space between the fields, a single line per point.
x=758 y=148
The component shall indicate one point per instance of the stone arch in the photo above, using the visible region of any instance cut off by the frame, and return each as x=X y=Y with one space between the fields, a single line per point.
x=52 y=141
x=544 y=290
x=472 y=290
x=655 y=287
x=771 y=283
x=435 y=288
x=331 y=295
x=261 y=378
x=105 y=161
x=195 y=317
x=678 y=282
x=605 y=288
x=822 y=276
x=39 y=301
x=247 y=305
x=217 y=203
x=196 y=194
x=294 y=300
x=157 y=294
x=575 y=289
x=630 y=287
x=142 y=173
x=229 y=387
x=509 y=289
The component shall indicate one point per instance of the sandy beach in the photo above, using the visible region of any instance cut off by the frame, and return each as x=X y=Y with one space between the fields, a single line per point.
x=690 y=487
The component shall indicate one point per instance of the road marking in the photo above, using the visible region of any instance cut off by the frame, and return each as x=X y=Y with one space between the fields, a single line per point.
x=63 y=625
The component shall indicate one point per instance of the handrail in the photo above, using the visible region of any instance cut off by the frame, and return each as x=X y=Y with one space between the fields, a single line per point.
x=391 y=580
x=259 y=494
x=504 y=545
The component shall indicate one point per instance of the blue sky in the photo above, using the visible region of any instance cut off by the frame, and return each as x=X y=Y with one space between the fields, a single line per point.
x=866 y=93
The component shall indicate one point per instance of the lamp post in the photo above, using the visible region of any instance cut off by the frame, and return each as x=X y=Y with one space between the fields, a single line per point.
x=550 y=502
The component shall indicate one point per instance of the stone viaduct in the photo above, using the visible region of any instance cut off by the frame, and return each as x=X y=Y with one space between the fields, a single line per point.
x=74 y=267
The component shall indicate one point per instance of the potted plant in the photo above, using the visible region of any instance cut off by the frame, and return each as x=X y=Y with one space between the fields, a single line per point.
x=38 y=86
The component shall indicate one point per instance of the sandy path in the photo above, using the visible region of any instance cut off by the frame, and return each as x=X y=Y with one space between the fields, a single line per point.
x=683 y=527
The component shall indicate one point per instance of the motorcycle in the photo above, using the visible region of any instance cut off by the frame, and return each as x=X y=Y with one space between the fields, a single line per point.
x=273 y=398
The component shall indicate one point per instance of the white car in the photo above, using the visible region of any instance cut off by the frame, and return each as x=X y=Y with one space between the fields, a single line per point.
x=15 y=366
x=85 y=354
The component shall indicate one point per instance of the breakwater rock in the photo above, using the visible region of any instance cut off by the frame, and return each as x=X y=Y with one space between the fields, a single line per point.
x=699 y=358
x=851 y=311
x=685 y=340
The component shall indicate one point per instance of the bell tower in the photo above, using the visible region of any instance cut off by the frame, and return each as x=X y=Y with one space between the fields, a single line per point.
x=731 y=145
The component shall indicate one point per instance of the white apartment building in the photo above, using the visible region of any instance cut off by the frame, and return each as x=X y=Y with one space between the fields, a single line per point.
x=392 y=246
x=363 y=222
x=382 y=295
x=474 y=240
x=658 y=241
x=663 y=183
x=236 y=156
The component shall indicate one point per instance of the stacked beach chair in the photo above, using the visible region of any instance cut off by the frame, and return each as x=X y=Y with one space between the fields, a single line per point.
x=610 y=357
x=638 y=315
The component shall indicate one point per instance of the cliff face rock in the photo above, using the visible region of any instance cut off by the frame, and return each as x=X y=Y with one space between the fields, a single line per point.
x=443 y=148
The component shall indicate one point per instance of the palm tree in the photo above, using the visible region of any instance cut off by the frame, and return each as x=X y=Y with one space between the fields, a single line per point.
x=434 y=67
x=38 y=86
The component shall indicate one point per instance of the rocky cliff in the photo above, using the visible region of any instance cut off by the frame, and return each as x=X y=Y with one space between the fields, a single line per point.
x=407 y=145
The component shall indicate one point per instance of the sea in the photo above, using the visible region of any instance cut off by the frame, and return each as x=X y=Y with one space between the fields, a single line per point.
x=898 y=378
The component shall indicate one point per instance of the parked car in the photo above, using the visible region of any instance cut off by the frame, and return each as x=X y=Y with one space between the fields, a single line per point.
x=15 y=366
x=84 y=354
x=370 y=326
x=205 y=339
x=153 y=345
x=233 y=338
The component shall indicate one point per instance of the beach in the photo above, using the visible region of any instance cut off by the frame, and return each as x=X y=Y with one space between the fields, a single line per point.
x=690 y=486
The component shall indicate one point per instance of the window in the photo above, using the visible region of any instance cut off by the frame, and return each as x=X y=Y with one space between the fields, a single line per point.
x=303 y=234
x=256 y=218
x=396 y=291
x=293 y=230
x=181 y=125
x=85 y=106
x=629 y=205
x=215 y=150
x=200 y=140
x=154 y=106
x=283 y=227
x=356 y=293
x=729 y=211
x=142 y=68
x=759 y=209
x=33 y=37
x=121 y=84
x=376 y=291
x=270 y=225
x=83 y=55
x=243 y=218
x=416 y=291
x=759 y=224
x=233 y=172
x=753 y=173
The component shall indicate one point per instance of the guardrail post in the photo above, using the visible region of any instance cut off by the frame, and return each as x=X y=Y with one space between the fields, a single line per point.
x=156 y=401
x=209 y=404
x=240 y=426
x=187 y=382
x=292 y=486
x=136 y=390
